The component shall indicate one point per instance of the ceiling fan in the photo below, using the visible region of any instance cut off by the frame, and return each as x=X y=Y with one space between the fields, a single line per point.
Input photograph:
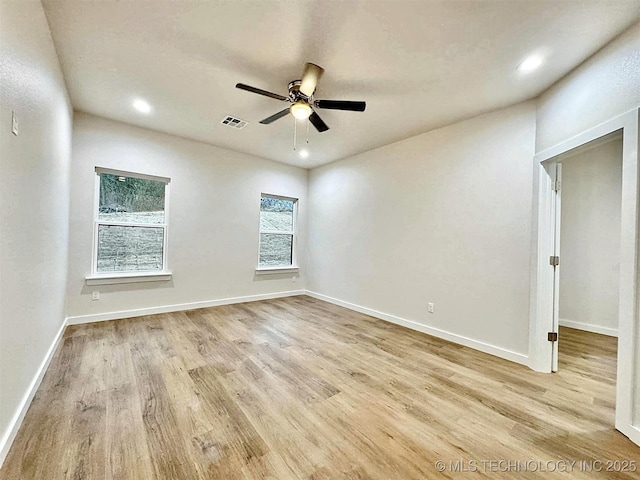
x=302 y=101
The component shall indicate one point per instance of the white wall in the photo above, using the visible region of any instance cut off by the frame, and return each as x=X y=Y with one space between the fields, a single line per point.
x=444 y=217
x=605 y=86
x=34 y=195
x=213 y=217
x=590 y=238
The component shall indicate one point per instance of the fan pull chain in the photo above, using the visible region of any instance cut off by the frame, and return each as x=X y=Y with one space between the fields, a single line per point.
x=295 y=133
x=308 y=131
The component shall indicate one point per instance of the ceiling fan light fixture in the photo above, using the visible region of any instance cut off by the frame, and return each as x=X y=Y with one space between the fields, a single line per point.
x=301 y=110
x=302 y=105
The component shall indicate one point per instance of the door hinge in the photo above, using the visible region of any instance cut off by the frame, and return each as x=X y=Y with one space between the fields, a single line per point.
x=556 y=186
x=554 y=260
x=552 y=336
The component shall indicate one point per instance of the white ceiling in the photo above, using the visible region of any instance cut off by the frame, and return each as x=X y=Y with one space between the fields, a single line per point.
x=418 y=64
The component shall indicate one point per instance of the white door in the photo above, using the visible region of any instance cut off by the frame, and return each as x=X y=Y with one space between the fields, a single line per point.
x=555 y=259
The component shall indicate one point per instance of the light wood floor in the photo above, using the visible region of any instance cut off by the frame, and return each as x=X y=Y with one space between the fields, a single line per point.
x=298 y=388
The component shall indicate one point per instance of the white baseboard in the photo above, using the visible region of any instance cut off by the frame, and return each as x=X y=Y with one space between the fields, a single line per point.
x=436 y=332
x=589 y=327
x=12 y=429
x=633 y=433
x=138 y=312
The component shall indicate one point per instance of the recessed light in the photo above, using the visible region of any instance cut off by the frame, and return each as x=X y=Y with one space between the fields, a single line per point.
x=141 y=105
x=531 y=63
x=304 y=153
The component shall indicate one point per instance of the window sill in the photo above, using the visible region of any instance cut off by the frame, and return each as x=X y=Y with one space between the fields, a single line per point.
x=276 y=270
x=113 y=279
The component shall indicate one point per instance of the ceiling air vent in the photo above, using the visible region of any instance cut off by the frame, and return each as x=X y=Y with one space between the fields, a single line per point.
x=234 y=122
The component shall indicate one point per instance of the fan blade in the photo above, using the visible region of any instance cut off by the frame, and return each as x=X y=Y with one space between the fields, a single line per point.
x=317 y=122
x=249 y=88
x=310 y=77
x=275 y=117
x=341 y=105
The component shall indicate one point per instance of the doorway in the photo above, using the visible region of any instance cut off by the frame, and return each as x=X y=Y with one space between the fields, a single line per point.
x=545 y=298
x=590 y=189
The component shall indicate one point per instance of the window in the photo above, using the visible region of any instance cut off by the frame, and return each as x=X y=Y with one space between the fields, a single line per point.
x=277 y=232
x=130 y=227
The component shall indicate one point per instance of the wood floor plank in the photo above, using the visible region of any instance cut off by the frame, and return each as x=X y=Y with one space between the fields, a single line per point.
x=127 y=456
x=169 y=453
x=298 y=388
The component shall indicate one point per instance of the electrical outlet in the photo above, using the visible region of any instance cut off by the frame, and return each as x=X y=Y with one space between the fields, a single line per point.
x=293 y=279
x=431 y=307
x=95 y=295
x=14 y=123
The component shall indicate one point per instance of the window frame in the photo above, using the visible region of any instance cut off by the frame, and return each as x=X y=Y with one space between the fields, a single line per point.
x=128 y=276
x=293 y=233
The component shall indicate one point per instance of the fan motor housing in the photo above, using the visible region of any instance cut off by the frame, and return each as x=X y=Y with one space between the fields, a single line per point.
x=294 y=91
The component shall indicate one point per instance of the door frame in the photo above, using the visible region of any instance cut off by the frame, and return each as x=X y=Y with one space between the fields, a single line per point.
x=542 y=292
